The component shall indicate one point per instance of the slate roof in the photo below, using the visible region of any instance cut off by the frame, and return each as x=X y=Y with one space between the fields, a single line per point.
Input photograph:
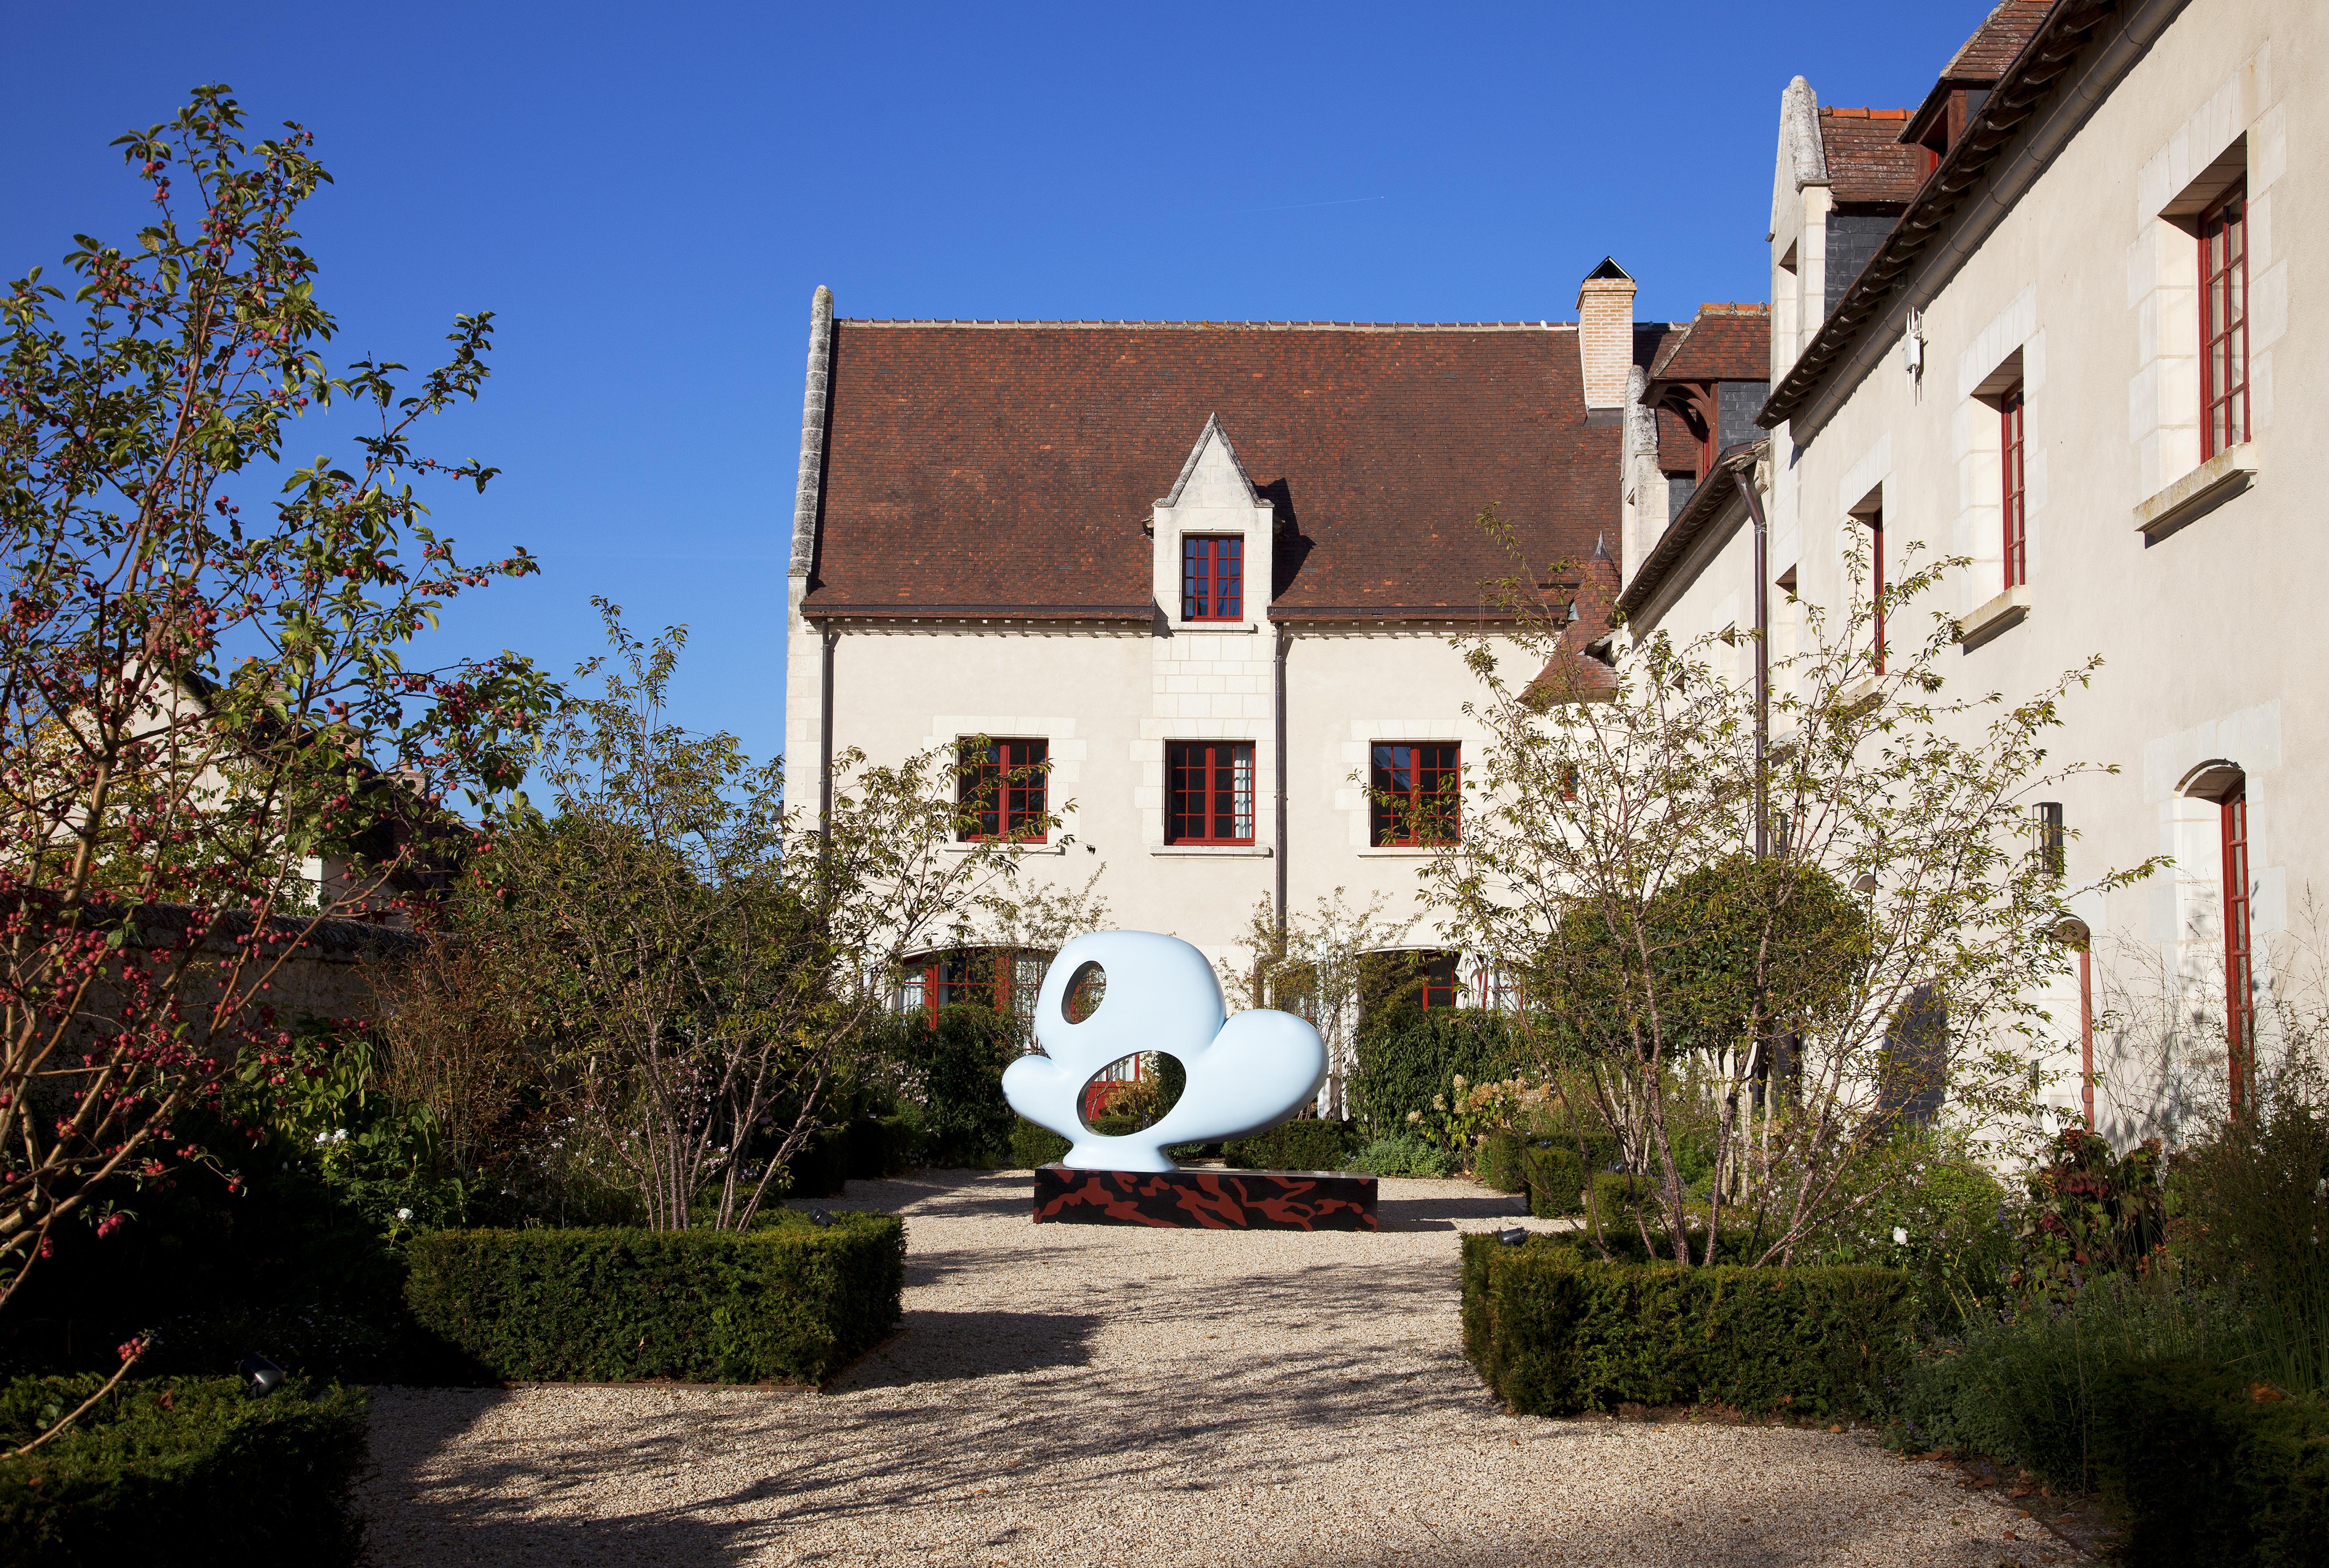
x=1983 y=57
x=1866 y=162
x=1008 y=468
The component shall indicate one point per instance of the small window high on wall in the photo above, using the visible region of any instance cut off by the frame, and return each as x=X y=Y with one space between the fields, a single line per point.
x=1212 y=578
x=2224 y=323
x=1209 y=792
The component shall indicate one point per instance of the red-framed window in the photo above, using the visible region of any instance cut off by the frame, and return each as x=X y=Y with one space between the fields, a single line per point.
x=1006 y=979
x=1414 y=790
x=1209 y=792
x=1003 y=784
x=2224 y=323
x=1439 y=980
x=2239 y=962
x=1876 y=581
x=2013 y=497
x=1213 y=577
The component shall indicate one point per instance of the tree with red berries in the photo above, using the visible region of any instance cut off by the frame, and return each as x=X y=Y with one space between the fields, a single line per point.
x=206 y=699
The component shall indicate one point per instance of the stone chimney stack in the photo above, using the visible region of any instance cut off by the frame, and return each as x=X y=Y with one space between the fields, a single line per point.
x=1605 y=334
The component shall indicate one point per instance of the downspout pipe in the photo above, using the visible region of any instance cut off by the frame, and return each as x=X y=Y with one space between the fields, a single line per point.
x=1745 y=480
x=1278 y=741
x=831 y=641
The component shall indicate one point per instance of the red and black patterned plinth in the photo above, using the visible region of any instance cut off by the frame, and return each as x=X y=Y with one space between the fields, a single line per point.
x=1206 y=1200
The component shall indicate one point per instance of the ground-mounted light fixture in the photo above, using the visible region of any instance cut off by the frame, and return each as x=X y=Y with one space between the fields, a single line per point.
x=260 y=1376
x=819 y=1218
x=1514 y=1236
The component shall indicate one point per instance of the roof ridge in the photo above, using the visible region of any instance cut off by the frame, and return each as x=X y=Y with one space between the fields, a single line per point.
x=1001 y=324
x=1865 y=113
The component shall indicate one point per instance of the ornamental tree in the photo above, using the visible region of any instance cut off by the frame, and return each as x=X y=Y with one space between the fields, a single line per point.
x=1794 y=932
x=206 y=698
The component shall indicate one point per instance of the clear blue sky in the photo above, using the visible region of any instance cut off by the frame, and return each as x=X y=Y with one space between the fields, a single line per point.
x=645 y=196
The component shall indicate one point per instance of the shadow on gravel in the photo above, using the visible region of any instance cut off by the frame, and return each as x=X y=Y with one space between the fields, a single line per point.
x=936 y=1345
x=499 y=1533
x=1439 y=1213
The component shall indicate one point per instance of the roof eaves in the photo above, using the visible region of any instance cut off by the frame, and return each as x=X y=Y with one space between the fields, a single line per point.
x=2050 y=52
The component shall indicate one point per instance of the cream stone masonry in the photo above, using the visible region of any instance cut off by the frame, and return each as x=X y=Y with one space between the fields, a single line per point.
x=2074 y=269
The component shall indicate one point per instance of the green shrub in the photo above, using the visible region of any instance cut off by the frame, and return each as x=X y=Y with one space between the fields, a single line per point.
x=866 y=1149
x=2092 y=1210
x=184 y=1471
x=1553 y=1332
x=1403 y=1155
x=1033 y=1146
x=1553 y=1178
x=2024 y=1390
x=788 y=1302
x=1498 y=1162
x=1407 y=1056
x=1306 y=1143
x=2209 y=1468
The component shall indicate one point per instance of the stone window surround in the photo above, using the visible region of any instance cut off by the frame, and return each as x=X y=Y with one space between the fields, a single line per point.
x=1064 y=751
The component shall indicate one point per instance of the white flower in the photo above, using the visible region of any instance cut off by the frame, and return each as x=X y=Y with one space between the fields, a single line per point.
x=323 y=1137
x=340 y=1134
x=404 y=1213
x=1899 y=1236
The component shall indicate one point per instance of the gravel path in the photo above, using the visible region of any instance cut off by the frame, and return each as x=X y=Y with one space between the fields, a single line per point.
x=1070 y=1394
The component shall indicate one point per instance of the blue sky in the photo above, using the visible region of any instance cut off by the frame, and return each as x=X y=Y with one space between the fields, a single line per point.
x=646 y=196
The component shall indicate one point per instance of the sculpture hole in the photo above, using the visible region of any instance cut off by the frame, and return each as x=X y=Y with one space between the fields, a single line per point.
x=1085 y=990
x=1132 y=1093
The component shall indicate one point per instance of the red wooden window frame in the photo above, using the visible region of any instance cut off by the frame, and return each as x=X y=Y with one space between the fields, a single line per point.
x=1009 y=784
x=1213 y=577
x=1411 y=786
x=1876 y=521
x=2224 y=323
x=1438 y=980
x=2013 y=496
x=2240 y=963
x=1209 y=792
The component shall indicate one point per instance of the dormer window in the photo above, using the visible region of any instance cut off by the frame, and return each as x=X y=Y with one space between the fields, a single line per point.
x=1212 y=578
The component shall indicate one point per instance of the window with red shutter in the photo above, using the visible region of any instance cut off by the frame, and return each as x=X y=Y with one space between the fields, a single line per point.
x=1209 y=792
x=2224 y=323
x=1212 y=578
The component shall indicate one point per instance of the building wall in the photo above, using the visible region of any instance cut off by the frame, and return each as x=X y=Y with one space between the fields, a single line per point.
x=2209 y=634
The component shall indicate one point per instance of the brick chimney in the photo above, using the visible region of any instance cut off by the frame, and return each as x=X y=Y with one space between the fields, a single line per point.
x=1605 y=334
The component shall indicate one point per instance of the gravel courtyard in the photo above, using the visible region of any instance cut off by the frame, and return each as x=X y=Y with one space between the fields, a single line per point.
x=1070 y=1395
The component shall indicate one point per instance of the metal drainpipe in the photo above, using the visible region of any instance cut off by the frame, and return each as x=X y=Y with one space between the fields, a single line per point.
x=824 y=740
x=1285 y=642
x=1745 y=478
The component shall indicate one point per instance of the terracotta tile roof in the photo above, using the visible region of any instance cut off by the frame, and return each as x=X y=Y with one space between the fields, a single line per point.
x=1865 y=160
x=1677 y=448
x=1010 y=467
x=1985 y=56
x=1722 y=342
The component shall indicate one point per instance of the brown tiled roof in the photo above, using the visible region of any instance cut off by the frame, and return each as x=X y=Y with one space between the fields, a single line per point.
x=1677 y=448
x=1994 y=44
x=1865 y=160
x=1009 y=468
x=1722 y=342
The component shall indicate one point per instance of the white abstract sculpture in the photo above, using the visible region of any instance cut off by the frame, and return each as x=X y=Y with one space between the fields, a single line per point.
x=1245 y=1075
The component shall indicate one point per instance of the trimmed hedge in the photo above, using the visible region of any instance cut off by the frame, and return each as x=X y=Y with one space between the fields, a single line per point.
x=187 y=1471
x=1554 y=1332
x=789 y=1302
x=1554 y=1178
x=1307 y=1143
x=1498 y=1163
x=1032 y=1146
x=2207 y=1471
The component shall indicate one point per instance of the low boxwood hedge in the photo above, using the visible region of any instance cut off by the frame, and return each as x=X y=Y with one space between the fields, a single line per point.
x=1554 y=1332
x=789 y=1302
x=1554 y=1179
x=2209 y=1467
x=181 y=1470
x=1306 y=1143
